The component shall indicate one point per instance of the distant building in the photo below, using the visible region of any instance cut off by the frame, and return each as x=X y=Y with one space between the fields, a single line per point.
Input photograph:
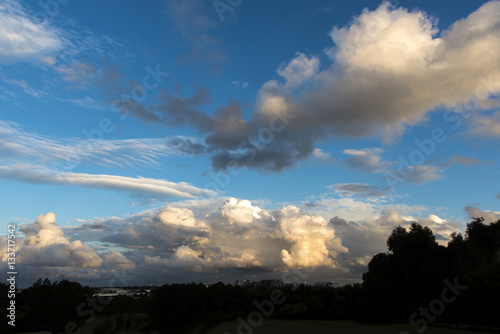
x=246 y=283
x=328 y=284
x=271 y=283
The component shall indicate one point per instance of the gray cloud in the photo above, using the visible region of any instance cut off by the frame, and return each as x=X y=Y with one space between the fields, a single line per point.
x=359 y=189
x=489 y=216
x=367 y=160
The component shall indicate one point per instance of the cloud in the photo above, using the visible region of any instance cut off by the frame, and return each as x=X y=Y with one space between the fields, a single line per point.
x=20 y=146
x=489 y=216
x=497 y=195
x=77 y=73
x=388 y=70
x=139 y=185
x=238 y=84
x=22 y=38
x=239 y=211
x=367 y=237
x=322 y=156
x=464 y=160
x=424 y=173
x=223 y=240
x=367 y=160
x=195 y=27
x=358 y=189
x=299 y=70
x=46 y=245
x=118 y=261
x=486 y=125
x=370 y=161
x=179 y=217
x=310 y=237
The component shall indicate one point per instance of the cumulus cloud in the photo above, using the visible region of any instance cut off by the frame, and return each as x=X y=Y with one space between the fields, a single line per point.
x=118 y=261
x=310 y=236
x=22 y=38
x=239 y=211
x=489 y=216
x=388 y=69
x=230 y=242
x=299 y=70
x=46 y=245
x=367 y=237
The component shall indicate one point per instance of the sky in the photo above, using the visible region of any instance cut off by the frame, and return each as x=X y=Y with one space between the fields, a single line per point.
x=152 y=142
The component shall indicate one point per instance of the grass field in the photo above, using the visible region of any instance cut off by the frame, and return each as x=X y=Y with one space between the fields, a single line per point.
x=276 y=326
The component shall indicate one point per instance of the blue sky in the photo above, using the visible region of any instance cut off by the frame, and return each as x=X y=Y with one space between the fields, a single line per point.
x=242 y=139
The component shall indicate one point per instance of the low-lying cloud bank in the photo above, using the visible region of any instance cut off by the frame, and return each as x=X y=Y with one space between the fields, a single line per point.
x=237 y=240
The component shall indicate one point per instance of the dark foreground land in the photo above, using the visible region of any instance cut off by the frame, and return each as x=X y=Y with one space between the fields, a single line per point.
x=278 y=326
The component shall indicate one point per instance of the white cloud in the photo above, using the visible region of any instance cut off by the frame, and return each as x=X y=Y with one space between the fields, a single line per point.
x=388 y=70
x=310 y=236
x=22 y=38
x=139 y=185
x=46 y=245
x=239 y=211
x=322 y=156
x=299 y=69
x=18 y=146
x=179 y=217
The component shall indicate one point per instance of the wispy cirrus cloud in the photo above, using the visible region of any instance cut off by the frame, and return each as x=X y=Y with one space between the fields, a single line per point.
x=35 y=158
x=22 y=38
x=20 y=146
